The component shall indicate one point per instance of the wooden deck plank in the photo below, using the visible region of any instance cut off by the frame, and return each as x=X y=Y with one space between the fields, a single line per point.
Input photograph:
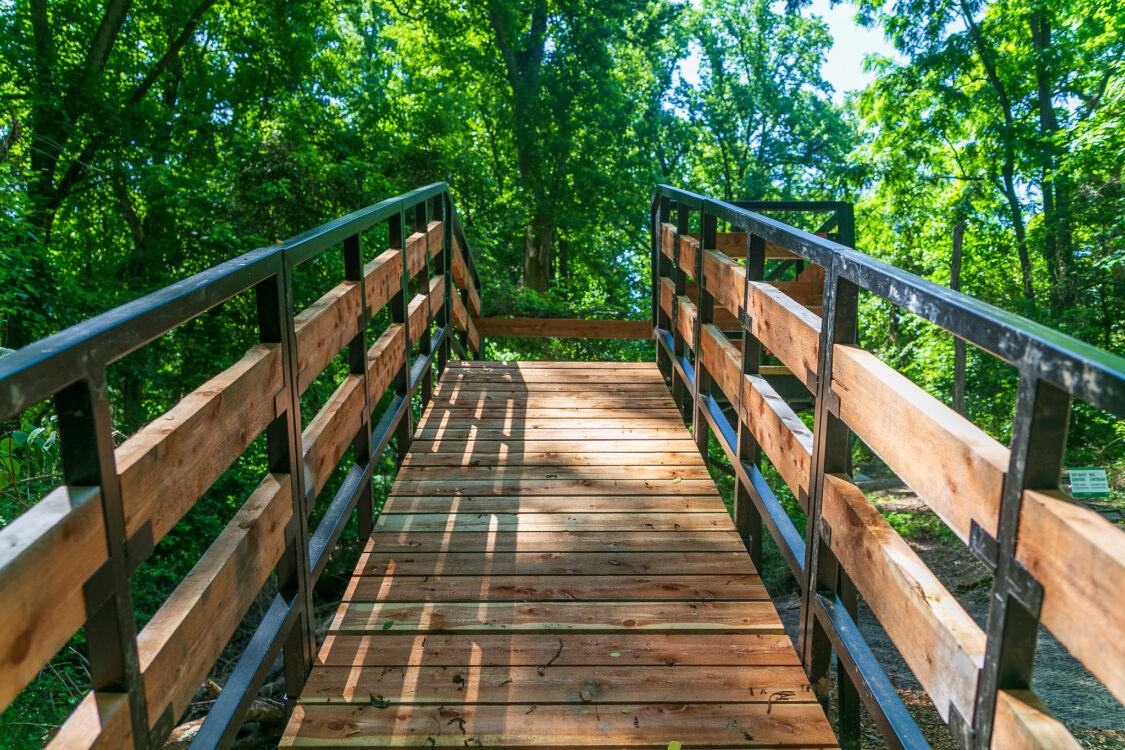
x=554 y=563
x=443 y=461
x=525 y=588
x=517 y=486
x=520 y=436
x=498 y=542
x=618 y=389
x=617 y=471
x=787 y=724
x=555 y=684
x=520 y=522
x=554 y=567
x=477 y=447
x=639 y=420
x=465 y=399
x=547 y=617
x=625 y=648
x=564 y=504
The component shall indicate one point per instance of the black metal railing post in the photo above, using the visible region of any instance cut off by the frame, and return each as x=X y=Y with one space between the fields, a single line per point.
x=831 y=455
x=660 y=268
x=704 y=315
x=1039 y=429
x=747 y=518
x=422 y=224
x=86 y=445
x=283 y=445
x=441 y=203
x=357 y=365
x=681 y=390
x=400 y=313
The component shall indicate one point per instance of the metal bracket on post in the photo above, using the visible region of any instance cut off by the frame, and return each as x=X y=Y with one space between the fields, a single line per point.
x=960 y=728
x=831 y=454
x=86 y=444
x=1039 y=429
x=357 y=365
x=400 y=313
x=139 y=548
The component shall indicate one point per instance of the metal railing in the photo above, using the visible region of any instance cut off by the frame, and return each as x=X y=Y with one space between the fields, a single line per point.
x=99 y=521
x=1003 y=502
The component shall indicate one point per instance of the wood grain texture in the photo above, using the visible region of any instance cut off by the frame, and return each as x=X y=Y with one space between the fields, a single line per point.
x=463 y=458
x=549 y=572
x=162 y=467
x=612 y=685
x=523 y=522
x=569 y=375
x=178 y=647
x=435 y=233
x=475 y=564
x=780 y=433
x=415 y=253
x=383 y=279
x=524 y=588
x=331 y=431
x=488 y=542
x=384 y=359
x=668 y=240
x=785 y=439
x=465 y=322
x=788 y=724
x=476 y=449
x=508 y=471
x=546 y=364
x=100 y=722
x=550 y=617
x=1079 y=558
x=463 y=279
x=632 y=648
x=782 y=324
x=324 y=329
x=1022 y=722
x=565 y=328
x=46 y=556
x=733 y=245
x=951 y=463
x=943 y=646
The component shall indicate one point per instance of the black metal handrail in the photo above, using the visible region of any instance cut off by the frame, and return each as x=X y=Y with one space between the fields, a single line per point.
x=71 y=368
x=1053 y=369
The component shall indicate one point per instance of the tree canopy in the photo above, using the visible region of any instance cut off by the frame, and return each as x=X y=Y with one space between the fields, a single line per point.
x=142 y=141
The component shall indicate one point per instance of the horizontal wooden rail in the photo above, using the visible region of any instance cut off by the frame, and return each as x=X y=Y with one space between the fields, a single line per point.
x=562 y=328
x=59 y=556
x=1070 y=554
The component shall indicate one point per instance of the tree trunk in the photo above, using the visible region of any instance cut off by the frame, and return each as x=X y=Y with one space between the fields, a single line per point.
x=1020 y=232
x=537 y=254
x=958 y=343
x=564 y=256
x=523 y=52
x=1008 y=133
x=1056 y=196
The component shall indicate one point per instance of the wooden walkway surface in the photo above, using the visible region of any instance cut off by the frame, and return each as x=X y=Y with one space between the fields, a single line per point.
x=554 y=568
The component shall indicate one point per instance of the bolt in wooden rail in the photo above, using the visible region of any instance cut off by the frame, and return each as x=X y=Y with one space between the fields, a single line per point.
x=66 y=562
x=1053 y=561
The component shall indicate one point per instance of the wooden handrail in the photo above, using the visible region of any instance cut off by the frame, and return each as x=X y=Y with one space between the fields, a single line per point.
x=1067 y=557
x=59 y=564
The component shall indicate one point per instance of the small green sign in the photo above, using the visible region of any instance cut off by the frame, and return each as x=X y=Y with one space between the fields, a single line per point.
x=1088 y=483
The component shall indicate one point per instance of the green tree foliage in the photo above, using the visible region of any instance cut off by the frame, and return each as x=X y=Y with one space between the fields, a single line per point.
x=762 y=117
x=142 y=141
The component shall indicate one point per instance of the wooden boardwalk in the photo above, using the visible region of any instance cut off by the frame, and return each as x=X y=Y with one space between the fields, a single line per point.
x=554 y=568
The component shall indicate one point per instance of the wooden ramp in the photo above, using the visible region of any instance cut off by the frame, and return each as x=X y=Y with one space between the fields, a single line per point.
x=554 y=568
